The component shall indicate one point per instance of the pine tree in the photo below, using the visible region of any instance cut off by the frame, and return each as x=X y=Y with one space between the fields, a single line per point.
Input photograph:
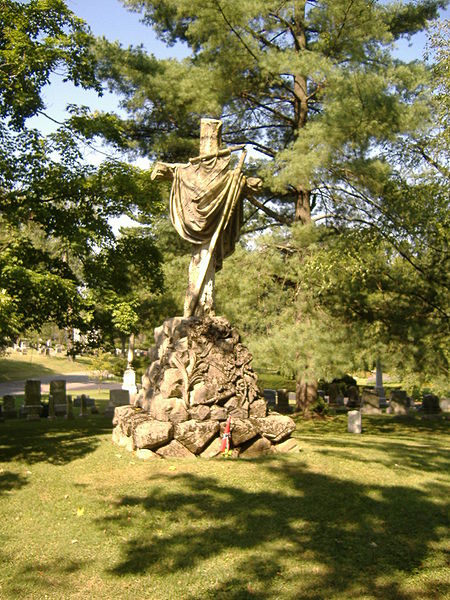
x=312 y=86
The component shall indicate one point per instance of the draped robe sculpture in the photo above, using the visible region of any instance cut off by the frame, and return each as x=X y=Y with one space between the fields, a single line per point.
x=206 y=210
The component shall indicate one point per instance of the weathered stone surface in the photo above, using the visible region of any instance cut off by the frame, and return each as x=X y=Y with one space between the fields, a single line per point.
x=145 y=454
x=122 y=440
x=123 y=414
x=354 y=421
x=127 y=417
x=139 y=417
x=199 y=413
x=399 y=402
x=258 y=408
x=274 y=427
x=289 y=445
x=116 y=434
x=171 y=384
x=179 y=412
x=213 y=449
x=202 y=394
x=175 y=450
x=370 y=402
x=231 y=403
x=168 y=409
x=218 y=413
x=152 y=434
x=127 y=443
x=194 y=435
x=201 y=362
x=254 y=448
x=240 y=412
x=242 y=431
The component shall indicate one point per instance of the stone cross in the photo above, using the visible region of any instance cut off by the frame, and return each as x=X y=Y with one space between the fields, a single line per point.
x=199 y=298
x=210 y=142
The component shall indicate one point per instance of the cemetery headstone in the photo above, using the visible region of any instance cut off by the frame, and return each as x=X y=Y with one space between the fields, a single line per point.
x=333 y=393
x=270 y=396
x=444 y=404
x=354 y=424
x=430 y=404
x=129 y=376
x=370 y=402
x=379 y=380
x=83 y=407
x=283 y=401
x=51 y=407
x=117 y=398
x=9 y=407
x=69 y=407
x=58 y=392
x=32 y=406
x=399 y=402
x=129 y=381
x=354 y=400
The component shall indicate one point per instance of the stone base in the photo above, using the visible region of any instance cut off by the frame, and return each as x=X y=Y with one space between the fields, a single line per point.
x=200 y=376
x=135 y=430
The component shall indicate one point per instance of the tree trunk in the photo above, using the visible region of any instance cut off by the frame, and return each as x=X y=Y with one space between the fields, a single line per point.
x=303 y=206
x=306 y=395
x=303 y=200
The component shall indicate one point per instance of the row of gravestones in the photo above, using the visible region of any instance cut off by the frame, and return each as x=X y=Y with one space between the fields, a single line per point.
x=59 y=403
x=368 y=401
x=399 y=402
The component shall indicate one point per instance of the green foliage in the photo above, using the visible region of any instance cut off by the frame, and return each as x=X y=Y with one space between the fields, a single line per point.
x=268 y=295
x=313 y=87
x=37 y=38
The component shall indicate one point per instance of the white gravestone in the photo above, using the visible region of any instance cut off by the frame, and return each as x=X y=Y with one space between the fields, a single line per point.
x=354 y=421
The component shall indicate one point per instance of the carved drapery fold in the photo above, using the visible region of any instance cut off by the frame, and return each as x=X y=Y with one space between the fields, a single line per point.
x=205 y=197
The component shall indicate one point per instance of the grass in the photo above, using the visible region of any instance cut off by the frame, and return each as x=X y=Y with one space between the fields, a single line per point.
x=19 y=367
x=349 y=516
x=274 y=381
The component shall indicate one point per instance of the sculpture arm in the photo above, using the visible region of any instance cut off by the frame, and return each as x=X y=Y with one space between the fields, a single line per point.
x=253 y=185
x=162 y=170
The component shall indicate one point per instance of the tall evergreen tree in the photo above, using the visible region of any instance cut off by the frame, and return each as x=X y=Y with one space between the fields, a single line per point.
x=312 y=86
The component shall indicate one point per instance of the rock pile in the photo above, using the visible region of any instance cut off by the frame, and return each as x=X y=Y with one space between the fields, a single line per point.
x=199 y=376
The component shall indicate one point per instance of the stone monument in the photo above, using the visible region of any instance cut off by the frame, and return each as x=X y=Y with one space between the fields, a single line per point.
x=200 y=373
x=32 y=406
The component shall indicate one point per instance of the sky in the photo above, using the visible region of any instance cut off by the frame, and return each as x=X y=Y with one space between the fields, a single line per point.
x=111 y=19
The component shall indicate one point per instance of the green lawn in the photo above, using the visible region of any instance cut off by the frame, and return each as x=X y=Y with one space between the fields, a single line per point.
x=19 y=367
x=348 y=517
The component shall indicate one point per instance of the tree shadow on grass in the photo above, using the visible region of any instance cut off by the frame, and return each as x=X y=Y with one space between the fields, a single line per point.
x=361 y=540
x=43 y=579
x=58 y=442
x=9 y=368
x=418 y=456
x=10 y=481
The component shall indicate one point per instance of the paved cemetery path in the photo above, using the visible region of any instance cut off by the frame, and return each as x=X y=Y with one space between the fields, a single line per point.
x=75 y=381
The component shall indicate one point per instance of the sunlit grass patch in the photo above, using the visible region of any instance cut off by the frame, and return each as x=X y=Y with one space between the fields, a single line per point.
x=347 y=517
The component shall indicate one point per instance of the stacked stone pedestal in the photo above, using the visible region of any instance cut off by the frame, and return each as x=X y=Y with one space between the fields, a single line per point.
x=200 y=375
